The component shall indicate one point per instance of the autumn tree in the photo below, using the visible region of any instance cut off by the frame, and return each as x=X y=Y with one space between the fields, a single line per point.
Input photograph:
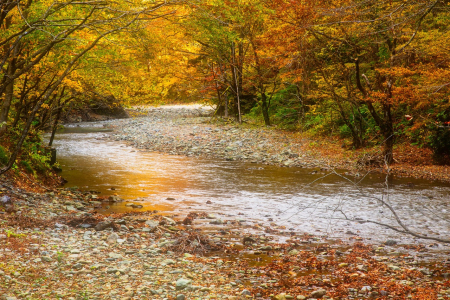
x=369 y=57
x=55 y=36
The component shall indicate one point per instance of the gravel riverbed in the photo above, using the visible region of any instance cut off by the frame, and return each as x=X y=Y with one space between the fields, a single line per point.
x=54 y=246
x=187 y=130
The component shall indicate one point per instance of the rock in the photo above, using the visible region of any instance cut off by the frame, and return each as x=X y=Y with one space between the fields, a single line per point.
x=114 y=199
x=3 y=236
x=103 y=225
x=182 y=283
x=301 y=297
x=374 y=294
x=114 y=255
x=246 y=293
x=60 y=226
x=152 y=225
x=5 y=200
x=366 y=289
x=318 y=293
x=266 y=248
x=112 y=238
x=167 y=262
x=394 y=268
x=281 y=296
x=77 y=266
x=216 y=222
x=169 y=221
x=294 y=252
x=390 y=243
x=71 y=208
x=46 y=259
x=181 y=297
x=362 y=268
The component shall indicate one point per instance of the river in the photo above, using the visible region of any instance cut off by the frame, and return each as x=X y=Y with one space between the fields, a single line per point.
x=303 y=200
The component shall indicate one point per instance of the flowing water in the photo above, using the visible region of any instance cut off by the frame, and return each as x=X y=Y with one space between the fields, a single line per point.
x=303 y=200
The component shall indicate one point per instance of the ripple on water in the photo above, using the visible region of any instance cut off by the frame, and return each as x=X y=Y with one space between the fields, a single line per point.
x=91 y=162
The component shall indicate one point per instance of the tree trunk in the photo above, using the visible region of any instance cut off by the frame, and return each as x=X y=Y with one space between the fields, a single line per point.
x=265 y=109
x=9 y=93
x=226 y=105
x=236 y=82
x=55 y=126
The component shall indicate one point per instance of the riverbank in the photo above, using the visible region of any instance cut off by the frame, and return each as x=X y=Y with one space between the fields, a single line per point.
x=189 y=130
x=54 y=246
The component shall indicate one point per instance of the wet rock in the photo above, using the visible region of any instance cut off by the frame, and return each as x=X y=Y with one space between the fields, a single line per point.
x=114 y=199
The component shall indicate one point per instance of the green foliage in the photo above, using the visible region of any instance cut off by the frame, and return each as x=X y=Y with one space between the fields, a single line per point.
x=27 y=166
x=59 y=256
x=4 y=156
x=439 y=142
x=11 y=233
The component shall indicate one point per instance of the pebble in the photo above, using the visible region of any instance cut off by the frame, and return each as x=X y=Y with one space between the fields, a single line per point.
x=182 y=283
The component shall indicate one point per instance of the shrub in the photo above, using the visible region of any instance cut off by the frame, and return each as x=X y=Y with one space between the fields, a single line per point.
x=439 y=142
x=27 y=166
x=4 y=156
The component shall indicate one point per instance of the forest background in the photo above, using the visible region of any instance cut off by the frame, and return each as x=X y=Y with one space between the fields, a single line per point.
x=374 y=74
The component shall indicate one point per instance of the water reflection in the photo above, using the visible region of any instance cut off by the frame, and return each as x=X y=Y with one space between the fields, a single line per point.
x=259 y=192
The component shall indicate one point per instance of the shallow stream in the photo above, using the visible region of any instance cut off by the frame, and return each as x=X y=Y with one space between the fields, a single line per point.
x=302 y=200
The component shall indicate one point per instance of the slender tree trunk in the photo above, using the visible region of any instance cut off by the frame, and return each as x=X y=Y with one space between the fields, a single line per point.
x=55 y=126
x=226 y=105
x=9 y=93
x=265 y=108
x=236 y=81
